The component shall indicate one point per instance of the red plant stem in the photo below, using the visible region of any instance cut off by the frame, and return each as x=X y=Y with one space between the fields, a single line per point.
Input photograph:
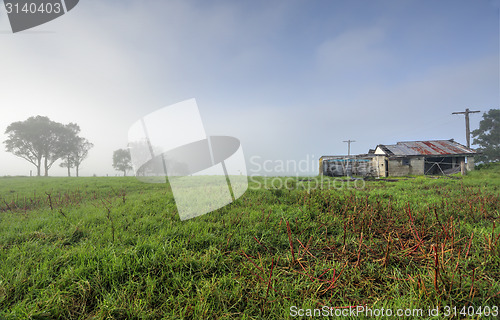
x=50 y=200
x=283 y=296
x=261 y=244
x=267 y=219
x=290 y=240
x=455 y=270
x=335 y=279
x=470 y=242
x=306 y=249
x=415 y=247
x=332 y=281
x=270 y=276
x=307 y=273
x=436 y=268
x=8 y=207
x=262 y=215
x=359 y=250
x=344 y=231
x=227 y=242
x=439 y=221
x=279 y=225
x=412 y=224
x=496 y=240
x=387 y=251
x=309 y=243
x=442 y=253
x=325 y=272
x=472 y=284
x=458 y=260
x=192 y=236
x=252 y=261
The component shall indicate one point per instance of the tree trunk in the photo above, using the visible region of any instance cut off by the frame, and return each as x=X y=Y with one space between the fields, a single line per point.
x=124 y=173
x=46 y=167
x=67 y=162
x=77 y=169
x=38 y=167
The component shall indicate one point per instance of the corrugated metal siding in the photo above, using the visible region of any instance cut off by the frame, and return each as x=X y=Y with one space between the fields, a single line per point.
x=438 y=147
x=398 y=149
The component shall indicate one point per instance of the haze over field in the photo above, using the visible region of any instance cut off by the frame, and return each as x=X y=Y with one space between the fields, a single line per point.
x=290 y=79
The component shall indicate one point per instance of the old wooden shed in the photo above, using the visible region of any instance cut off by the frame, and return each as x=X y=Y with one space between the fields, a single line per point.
x=402 y=159
x=422 y=157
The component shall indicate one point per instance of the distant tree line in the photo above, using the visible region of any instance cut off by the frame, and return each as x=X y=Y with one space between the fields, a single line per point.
x=42 y=142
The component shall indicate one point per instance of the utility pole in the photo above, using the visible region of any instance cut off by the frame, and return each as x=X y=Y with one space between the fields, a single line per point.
x=348 y=167
x=349 y=146
x=467 y=127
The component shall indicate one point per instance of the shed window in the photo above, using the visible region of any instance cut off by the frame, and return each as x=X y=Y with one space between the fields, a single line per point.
x=405 y=162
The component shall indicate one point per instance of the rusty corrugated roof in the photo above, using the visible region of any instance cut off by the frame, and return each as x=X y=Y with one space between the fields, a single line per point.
x=435 y=147
x=401 y=150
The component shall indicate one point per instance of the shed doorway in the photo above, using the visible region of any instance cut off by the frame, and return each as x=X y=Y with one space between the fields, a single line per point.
x=442 y=165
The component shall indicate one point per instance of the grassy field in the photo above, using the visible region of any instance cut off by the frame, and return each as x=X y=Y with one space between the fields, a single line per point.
x=115 y=248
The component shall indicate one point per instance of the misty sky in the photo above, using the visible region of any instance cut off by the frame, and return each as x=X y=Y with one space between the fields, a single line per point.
x=290 y=79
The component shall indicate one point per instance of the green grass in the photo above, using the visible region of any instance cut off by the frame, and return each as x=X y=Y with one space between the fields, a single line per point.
x=115 y=248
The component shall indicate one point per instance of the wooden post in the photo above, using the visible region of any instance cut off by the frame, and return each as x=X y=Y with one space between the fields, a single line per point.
x=348 y=172
x=467 y=126
x=463 y=170
x=349 y=146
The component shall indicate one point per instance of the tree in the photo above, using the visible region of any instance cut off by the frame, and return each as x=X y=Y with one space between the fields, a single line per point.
x=55 y=146
x=122 y=160
x=81 y=152
x=42 y=142
x=69 y=142
x=77 y=155
x=35 y=139
x=24 y=140
x=76 y=149
x=487 y=136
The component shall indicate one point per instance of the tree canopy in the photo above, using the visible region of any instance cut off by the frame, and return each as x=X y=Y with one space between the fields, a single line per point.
x=487 y=136
x=122 y=160
x=42 y=141
x=76 y=149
